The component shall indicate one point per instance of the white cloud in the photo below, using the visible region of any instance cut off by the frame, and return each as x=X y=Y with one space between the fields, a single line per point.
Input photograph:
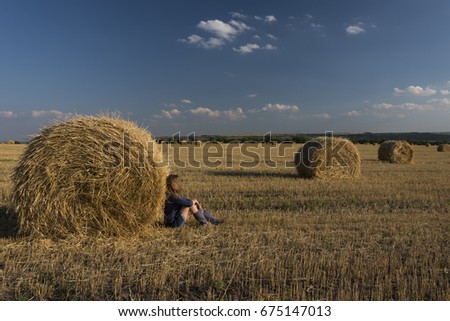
x=258 y=18
x=256 y=37
x=170 y=114
x=52 y=113
x=186 y=101
x=271 y=36
x=445 y=102
x=382 y=106
x=252 y=95
x=321 y=116
x=198 y=41
x=250 y=47
x=240 y=26
x=444 y=92
x=238 y=15
x=269 y=47
x=222 y=29
x=353 y=113
x=7 y=114
x=355 y=29
x=415 y=91
x=280 y=107
x=270 y=19
x=404 y=106
x=316 y=26
x=222 y=32
x=204 y=111
x=415 y=107
x=235 y=114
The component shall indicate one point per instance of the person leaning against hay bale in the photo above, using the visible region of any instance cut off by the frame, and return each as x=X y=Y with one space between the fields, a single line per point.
x=179 y=209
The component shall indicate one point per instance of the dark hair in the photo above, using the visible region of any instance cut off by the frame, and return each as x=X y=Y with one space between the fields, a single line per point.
x=173 y=187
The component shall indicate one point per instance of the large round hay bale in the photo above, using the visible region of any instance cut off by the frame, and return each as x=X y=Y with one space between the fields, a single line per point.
x=443 y=148
x=11 y=142
x=397 y=152
x=328 y=157
x=89 y=175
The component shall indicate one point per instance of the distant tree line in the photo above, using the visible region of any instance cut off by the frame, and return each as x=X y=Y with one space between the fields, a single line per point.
x=361 y=138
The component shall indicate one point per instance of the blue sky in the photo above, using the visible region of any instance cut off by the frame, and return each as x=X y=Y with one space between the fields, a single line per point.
x=227 y=67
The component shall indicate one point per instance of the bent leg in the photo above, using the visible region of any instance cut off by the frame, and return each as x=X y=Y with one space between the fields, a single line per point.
x=198 y=214
x=212 y=219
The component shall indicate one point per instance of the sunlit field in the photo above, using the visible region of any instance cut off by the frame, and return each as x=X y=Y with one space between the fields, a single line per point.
x=384 y=236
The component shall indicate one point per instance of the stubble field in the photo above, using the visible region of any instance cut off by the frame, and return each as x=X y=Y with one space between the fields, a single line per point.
x=384 y=236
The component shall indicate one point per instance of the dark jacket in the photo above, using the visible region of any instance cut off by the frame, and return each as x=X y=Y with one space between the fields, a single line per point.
x=173 y=206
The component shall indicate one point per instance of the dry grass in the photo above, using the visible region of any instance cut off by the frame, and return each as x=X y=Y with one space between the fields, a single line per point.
x=384 y=236
x=89 y=175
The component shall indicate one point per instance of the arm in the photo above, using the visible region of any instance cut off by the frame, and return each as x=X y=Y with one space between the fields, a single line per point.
x=181 y=201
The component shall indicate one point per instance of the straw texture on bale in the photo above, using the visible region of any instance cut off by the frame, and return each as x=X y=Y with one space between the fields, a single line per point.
x=11 y=142
x=443 y=148
x=397 y=152
x=89 y=175
x=328 y=157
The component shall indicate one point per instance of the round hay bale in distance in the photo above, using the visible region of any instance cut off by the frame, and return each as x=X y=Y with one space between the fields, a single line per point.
x=396 y=151
x=443 y=148
x=89 y=175
x=11 y=142
x=328 y=157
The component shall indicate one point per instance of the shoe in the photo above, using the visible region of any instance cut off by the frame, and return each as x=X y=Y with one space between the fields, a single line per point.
x=217 y=221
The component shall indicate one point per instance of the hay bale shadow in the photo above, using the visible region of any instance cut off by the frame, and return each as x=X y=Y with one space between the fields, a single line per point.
x=252 y=174
x=9 y=222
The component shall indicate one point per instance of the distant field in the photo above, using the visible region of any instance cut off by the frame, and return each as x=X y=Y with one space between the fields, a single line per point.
x=384 y=236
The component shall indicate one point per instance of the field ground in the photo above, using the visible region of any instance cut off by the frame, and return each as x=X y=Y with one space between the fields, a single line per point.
x=384 y=236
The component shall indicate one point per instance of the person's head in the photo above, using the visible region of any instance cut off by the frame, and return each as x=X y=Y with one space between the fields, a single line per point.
x=173 y=187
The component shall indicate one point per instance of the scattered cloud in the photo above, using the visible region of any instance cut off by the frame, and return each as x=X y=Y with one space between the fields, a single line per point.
x=256 y=37
x=311 y=22
x=251 y=47
x=235 y=114
x=204 y=111
x=321 y=116
x=252 y=95
x=444 y=102
x=353 y=113
x=221 y=31
x=415 y=91
x=50 y=113
x=270 y=19
x=170 y=114
x=404 y=106
x=186 y=101
x=271 y=36
x=316 y=26
x=7 y=114
x=238 y=15
x=201 y=42
x=444 y=92
x=53 y=114
x=356 y=29
x=382 y=106
x=280 y=107
x=248 y=48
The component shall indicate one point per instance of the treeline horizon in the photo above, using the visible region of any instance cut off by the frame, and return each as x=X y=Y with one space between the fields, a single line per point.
x=415 y=138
